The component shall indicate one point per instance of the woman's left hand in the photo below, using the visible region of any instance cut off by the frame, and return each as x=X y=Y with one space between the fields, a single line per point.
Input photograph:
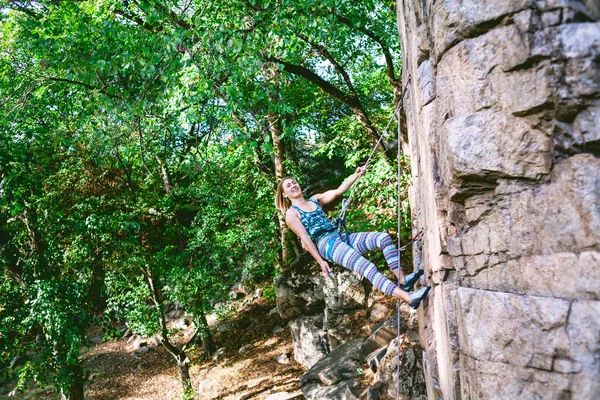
x=360 y=171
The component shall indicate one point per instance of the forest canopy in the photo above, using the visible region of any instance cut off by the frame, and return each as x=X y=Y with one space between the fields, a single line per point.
x=140 y=146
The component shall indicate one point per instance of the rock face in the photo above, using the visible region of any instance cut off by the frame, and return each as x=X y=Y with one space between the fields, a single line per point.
x=503 y=120
x=340 y=374
x=310 y=339
x=298 y=294
x=323 y=317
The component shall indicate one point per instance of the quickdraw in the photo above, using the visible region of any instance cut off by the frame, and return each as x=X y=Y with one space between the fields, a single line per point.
x=414 y=239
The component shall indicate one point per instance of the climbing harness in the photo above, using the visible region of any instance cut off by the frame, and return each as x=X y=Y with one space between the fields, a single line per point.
x=340 y=221
x=342 y=229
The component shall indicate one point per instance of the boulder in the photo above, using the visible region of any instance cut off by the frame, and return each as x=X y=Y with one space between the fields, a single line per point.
x=412 y=378
x=335 y=376
x=379 y=312
x=342 y=327
x=344 y=292
x=345 y=390
x=298 y=294
x=239 y=289
x=310 y=340
x=282 y=359
x=380 y=338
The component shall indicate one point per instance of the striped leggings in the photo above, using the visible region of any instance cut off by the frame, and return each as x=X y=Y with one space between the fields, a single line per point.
x=333 y=249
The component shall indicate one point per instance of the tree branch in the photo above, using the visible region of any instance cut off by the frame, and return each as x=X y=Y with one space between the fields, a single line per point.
x=315 y=79
x=386 y=51
x=83 y=84
x=192 y=340
x=140 y=22
x=171 y=15
x=21 y=8
x=262 y=167
x=126 y=171
x=338 y=67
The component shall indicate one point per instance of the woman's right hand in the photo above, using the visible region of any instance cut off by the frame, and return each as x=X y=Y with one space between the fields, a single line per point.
x=360 y=171
x=325 y=268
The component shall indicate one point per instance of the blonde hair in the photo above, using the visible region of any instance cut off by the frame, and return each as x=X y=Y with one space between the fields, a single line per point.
x=281 y=202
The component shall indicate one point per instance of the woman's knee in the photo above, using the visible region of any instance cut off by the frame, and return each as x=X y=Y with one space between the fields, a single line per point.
x=384 y=239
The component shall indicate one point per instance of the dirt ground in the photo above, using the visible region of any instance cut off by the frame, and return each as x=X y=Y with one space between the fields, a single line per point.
x=116 y=372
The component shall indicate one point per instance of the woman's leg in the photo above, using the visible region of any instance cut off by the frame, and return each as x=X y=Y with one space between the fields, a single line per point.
x=367 y=241
x=342 y=254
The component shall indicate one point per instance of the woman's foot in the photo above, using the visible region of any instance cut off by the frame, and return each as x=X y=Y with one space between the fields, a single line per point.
x=417 y=296
x=410 y=279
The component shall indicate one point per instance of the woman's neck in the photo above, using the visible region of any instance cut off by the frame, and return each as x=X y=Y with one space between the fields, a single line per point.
x=299 y=201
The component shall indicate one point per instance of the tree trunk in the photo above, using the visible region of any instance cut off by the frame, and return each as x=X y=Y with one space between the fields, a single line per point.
x=366 y=123
x=75 y=392
x=276 y=131
x=183 y=362
x=38 y=245
x=97 y=282
x=164 y=173
x=208 y=344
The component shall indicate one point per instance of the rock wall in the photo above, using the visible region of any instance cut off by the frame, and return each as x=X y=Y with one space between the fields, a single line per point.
x=346 y=335
x=503 y=115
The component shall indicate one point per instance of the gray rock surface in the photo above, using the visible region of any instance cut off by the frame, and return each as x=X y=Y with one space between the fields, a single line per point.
x=298 y=294
x=339 y=374
x=344 y=292
x=310 y=340
x=335 y=376
x=412 y=380
x=503 y=124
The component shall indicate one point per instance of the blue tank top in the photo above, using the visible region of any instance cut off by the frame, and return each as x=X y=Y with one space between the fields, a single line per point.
x=315 y=222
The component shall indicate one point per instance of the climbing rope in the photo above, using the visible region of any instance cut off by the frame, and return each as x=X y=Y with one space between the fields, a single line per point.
x=398 y=232
x=399 y=235
x=341 y=219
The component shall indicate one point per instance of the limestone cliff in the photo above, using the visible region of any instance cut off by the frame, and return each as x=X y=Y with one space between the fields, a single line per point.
x=503 y=116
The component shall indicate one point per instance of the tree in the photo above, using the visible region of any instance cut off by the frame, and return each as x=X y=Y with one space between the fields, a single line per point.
x=141 y=144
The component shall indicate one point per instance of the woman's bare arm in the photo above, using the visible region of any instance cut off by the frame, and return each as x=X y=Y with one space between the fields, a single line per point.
x=293 y=221
x=330 y=195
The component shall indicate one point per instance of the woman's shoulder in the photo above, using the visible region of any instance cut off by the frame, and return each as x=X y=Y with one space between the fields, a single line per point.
x=315 y=199
x=292 y=212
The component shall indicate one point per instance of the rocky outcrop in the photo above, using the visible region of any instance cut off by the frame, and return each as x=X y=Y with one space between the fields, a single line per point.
x=502 y=117
x=298 y=294
x=341 y=363
x=368 y=367
x=310 y=339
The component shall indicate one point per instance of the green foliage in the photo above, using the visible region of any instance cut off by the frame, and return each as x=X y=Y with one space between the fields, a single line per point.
x=376 y=199
x=137 y=158
x=188 y=394
x=269 y=293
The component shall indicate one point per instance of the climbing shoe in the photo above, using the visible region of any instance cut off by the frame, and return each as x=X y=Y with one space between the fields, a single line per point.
x=417 y=296
x=410 y=279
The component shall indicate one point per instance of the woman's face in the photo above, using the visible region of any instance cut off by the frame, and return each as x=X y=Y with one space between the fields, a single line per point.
x=291 y=189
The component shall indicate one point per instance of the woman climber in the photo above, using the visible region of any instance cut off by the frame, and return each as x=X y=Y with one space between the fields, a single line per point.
x=318 y=234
